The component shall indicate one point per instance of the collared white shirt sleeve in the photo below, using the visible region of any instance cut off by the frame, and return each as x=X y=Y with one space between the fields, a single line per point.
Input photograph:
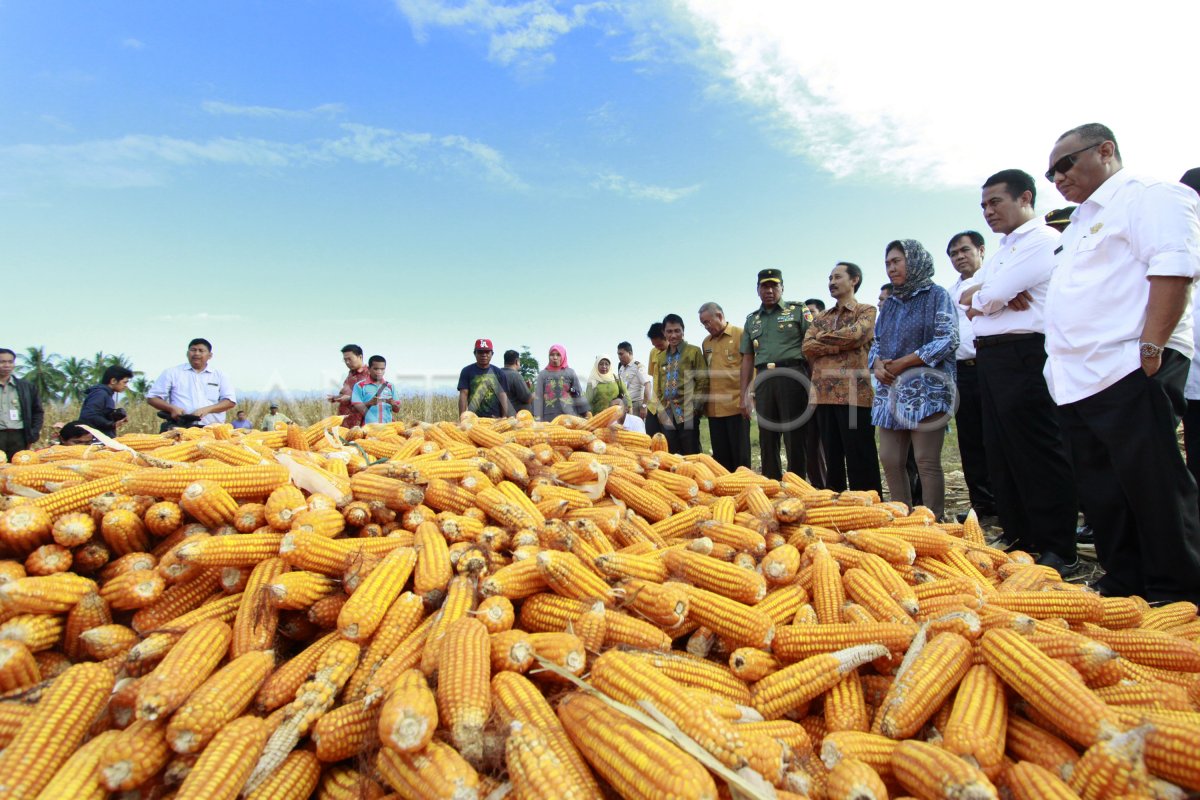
x=966 y=335
x=1131 y=228
x=1022 y=262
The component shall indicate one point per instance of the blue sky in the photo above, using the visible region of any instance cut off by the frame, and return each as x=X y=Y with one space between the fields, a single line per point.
x=284 y=178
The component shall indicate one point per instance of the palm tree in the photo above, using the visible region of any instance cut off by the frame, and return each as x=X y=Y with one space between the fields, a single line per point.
x=139 y=387
x=41 y=370
x=78 y=375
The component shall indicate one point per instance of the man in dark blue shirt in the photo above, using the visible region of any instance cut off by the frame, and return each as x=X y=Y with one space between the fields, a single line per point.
x=100 y=403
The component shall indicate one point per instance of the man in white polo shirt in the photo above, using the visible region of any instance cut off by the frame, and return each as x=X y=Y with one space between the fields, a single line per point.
x=193 y=389
x=1027 y=460
x=1119 y=341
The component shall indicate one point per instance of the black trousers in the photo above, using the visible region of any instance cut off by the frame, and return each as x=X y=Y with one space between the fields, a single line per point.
x=682 y=439
x=1191 y=438
x=730 y=437
x=12 y=442
x=968 y=420
x=781 y=398
x=848 y=438
x=1027 y=459
x=652 y=425
x=1140 y=498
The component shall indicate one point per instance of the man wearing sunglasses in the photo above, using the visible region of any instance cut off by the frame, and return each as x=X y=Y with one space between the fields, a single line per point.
x=1118 y=377
x=481 y=386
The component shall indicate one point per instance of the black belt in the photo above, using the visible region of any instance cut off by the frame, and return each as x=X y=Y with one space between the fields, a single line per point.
x=1006 y=338
x=794 y=362
x=966 y=362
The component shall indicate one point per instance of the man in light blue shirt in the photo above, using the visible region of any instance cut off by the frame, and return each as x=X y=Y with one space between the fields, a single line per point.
x=375 y=398
x=193 y=389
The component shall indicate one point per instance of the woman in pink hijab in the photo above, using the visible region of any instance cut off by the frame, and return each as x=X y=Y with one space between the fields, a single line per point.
x=558 y=390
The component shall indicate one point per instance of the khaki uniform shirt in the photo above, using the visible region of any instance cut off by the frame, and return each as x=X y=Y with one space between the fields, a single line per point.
x=724 y=372
x=10 y=402
x=268 y=423
x=775 y=335
x=652 y=363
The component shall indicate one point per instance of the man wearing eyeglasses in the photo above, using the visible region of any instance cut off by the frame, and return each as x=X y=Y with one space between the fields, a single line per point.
x=481 y=386
x=1118 y=378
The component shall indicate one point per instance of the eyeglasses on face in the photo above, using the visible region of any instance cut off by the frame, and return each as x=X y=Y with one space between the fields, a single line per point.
x=1064 y=164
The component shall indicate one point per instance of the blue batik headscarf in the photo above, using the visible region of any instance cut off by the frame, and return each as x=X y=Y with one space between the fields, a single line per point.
x=920 y=268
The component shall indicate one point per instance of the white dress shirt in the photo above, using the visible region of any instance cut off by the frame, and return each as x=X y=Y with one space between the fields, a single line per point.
x=966 y=335
x=634 y=423
x=185 y=387
x=1131 y=228
x=1022 y=262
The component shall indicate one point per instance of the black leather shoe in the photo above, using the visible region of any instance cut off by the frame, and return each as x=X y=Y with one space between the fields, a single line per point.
x=1060 y=565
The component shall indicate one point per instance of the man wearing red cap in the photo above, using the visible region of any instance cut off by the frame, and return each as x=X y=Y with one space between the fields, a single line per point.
x=481 y=386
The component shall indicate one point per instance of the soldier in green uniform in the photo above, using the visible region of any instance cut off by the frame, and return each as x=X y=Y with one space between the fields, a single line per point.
x=771 y=347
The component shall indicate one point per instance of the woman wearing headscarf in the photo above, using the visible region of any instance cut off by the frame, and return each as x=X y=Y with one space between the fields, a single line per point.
x=604 y=386
x=557 y=390
x=912 y=359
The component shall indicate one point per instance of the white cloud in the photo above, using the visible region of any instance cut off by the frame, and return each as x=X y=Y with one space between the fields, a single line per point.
x=219 y=108
x=517 y=33
x=143 y=160
x=197 y=317
x=621 y=185
x=132 y=44
x=944 y=93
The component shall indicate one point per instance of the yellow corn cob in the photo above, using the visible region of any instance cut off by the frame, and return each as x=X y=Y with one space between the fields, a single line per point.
x=1150 y=647
x=224 y=766
x=637 y=763
x=874 y=750
x=401 y=619
x=1170 y=749
x=509 y=459
x=828 y=592
x=516 y=581
x=1169 y=616
x=177 y=599
x=852 y=778
x=72 y=530
x=254 y=626
x=339 y=782
x=324 y=612
x=931 y=673
x=75 y=498
x=796 y=684
x=742 y=625
x=127 y=563
x=295 y=779
x=243 y=483
x=890 y=548
x=1026 y=780
x=77 y=779
x=535 y=769
x=208 y=503
x=1047 y=686
x=1071 y=606
x=626 y=565
x=438 y=771
x=433 y=568
x=753 y=664
x=641 y=499
x=663 y=604
x=404 y=656
x=1113 y=767
x=48 y=560
x=244 y=550
x=364 y=611
x=570 y=577
x=183 y=669
x=134 y=757
x=1151 y=694
x=563 y=649
x=460 y=601
x=978 y=721
x=36 y=631
x=49 y=737
x=343 y=732
x=18 y=668
x=106 y=641
x=862 y=588
x=218 y=701
x=464 y=692
x=717 y=576
x=308 y=551
x=848 y=518
x=12 y=716
x=929 y=771
x=409 y=716
x=496 y=613
x=49 y=594
x=549 y=612
x=131 y=590
x=780 y=565
x=282 y=507
x=846 y=706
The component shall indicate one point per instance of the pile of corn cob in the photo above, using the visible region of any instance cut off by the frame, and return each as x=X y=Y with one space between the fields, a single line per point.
x=556 y=610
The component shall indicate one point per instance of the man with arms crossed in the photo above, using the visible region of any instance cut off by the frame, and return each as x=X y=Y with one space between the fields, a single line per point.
x=1118 y=378
x=1027 y=461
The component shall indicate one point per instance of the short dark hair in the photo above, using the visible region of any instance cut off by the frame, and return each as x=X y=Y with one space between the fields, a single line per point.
x=72 y=430
x=1191 y=179
x=1016 y=182
x=656 y=331
x=887 y=287
x=1095 y=133
x=115 y=373
x=975 y=236
x=670 y=319
x=353 y=348
x=813 y=301
x=376 y=359
x=626 y=346
x=511 y=357
x=853 y=270
x=4 y=351
x=199 y=340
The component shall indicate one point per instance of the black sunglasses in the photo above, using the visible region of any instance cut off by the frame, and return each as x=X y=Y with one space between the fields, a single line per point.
x=1065 y=163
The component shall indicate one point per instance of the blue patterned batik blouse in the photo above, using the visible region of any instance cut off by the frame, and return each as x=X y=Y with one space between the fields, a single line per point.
x=926 y=324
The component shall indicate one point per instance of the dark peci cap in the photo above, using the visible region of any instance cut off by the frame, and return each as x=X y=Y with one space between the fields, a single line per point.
x=1060 y=218
x=769 y=276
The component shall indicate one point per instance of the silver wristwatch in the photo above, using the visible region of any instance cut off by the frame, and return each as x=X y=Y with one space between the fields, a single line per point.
x=1150 y=350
